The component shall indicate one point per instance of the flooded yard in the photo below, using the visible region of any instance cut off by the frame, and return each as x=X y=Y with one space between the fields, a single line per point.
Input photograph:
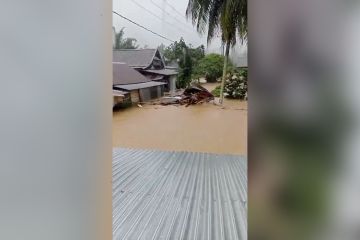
x=200 y=128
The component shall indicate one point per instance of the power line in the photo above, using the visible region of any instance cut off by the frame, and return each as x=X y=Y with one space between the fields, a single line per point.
x=155 y=4
x=153 y=14
x=173 y=8
x=142 y=27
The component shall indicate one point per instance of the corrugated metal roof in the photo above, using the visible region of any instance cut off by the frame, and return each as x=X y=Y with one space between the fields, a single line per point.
x=130 y=87
x=138 y=58
x=166 y=72
x=179 y=195
x=123 y=74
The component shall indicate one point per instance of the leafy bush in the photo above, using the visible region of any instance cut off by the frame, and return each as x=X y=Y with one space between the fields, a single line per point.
x=210 y=67
x=216 y=91
x=236 y=84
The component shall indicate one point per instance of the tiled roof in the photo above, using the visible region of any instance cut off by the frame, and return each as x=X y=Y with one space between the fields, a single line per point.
x=136 y=58
x=123 y=74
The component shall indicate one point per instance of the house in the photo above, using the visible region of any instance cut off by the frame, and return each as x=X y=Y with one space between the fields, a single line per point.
x=121 y=99
x=133 y=86
x=149 y=63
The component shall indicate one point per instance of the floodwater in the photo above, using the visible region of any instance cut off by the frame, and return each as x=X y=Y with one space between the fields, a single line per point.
x=200 y=128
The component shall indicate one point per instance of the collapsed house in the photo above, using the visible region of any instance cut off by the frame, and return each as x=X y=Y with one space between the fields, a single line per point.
x=150 y=64
x=195 y=94
x=129 y=86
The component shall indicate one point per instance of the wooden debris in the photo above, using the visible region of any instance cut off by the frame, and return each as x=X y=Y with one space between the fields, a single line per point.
x=192 y=95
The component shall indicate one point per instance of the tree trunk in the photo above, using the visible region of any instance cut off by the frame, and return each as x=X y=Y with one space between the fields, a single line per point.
x=224 y=72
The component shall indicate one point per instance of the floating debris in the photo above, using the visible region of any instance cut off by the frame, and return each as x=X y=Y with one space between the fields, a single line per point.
x=192 y=95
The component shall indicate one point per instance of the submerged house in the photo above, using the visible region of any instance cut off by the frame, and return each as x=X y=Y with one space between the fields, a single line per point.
x=121 y=98
x=131 y=86
x=149 y=63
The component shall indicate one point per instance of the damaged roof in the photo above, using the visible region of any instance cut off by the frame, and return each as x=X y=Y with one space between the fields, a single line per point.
x=178 y=195
x=123 y=74
x=136 y=58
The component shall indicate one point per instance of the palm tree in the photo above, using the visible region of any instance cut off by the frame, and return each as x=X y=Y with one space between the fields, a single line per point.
x=124 y=43
x=227 y=16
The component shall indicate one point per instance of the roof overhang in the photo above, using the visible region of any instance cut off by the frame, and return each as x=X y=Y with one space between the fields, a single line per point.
x=135 y=86
x=165 y=72
x=119 y=93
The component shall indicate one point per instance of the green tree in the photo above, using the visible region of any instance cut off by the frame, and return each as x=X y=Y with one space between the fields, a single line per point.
x=185 y=56
x=210 y=67
x=197 y=54
x=174 y=51
x=228 y=16
x=185 y=69
x=124 y=43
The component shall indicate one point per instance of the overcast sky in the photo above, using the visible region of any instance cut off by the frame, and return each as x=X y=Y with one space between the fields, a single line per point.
x=165 y=17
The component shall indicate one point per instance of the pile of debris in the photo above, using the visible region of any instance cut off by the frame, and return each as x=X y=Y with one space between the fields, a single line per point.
x=192 y=95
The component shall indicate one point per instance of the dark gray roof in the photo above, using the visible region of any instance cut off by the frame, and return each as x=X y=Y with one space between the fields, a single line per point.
x=166 y=72
x=179 y=195
x=136 y=58
x=130 y=87
x=123 y=74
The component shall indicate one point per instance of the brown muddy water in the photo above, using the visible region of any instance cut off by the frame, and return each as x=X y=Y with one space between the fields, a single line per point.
x=200 y=128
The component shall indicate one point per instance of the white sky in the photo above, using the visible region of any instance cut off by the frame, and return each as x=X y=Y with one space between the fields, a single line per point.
x=170 y=22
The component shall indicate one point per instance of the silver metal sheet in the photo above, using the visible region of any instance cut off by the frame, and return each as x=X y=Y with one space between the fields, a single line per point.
x=178 y=195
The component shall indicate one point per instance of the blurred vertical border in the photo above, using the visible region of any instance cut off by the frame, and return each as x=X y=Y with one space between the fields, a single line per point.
x=55 y=127
x=300 y=118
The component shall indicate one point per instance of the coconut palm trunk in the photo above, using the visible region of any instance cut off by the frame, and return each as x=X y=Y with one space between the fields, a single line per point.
x=226 y=60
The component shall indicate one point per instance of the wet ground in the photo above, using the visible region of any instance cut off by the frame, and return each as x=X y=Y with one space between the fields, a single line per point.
x=199 y=128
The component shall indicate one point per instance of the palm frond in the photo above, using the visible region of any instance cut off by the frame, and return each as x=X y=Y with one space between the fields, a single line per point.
x=213 y=16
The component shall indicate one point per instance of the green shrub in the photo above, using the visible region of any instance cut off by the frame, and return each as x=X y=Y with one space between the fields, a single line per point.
x=236 y=84
x=243 y=72
x=216 y=91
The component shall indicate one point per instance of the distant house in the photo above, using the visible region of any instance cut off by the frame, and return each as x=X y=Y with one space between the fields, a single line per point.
x=127 y=81
x=149 y=63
